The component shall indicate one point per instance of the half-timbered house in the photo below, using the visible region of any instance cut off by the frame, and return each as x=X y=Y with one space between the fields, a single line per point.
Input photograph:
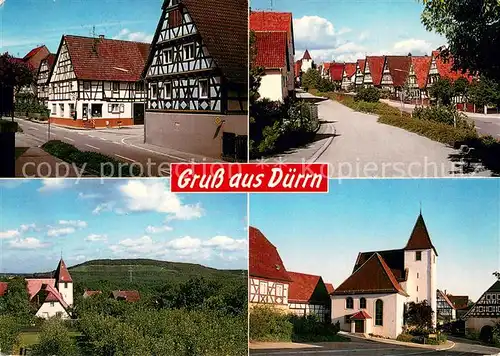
x=42 y=78
x=349 y=77
x=374 y=66
x=360 y=72
x=372 y=299
x=197 y=78
x=336 y=73
x=272 y=56
x=461 y=303
x=95 y=82
x=395 y=74
x=444 y=308
x=278 y=22
x=309 y=295
x=269 y=279
x=417 y=79
x=485 y=313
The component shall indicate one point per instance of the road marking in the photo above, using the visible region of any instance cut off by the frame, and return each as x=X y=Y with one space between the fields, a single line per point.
x=477 y=127
x=128 y=159
x=102 y=138
x=69 y=139
x=81 y=133
x=97 y=148
x=118 y=143
x=146 y=149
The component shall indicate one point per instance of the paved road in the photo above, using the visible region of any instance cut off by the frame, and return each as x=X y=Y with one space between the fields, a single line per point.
x=371 y=348
x=125 y=144
x=364 y=148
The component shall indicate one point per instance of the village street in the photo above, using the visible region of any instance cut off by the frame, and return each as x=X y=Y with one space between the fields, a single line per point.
x=360 y=347
x=356 y=145
x=125 y=144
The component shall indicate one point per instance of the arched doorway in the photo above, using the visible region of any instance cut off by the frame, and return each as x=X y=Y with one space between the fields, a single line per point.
x=486 y=334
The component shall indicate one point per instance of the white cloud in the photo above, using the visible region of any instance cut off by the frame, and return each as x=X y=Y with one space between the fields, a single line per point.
x=104 y=207
x=78 y=258
x=185 y=243
x=50 y=184
x=9 y=234
x=29 y=243
x=343 y=31
x=412 y=45
x=84 y=196
x=143 y=246
x=75 y=223
x=96 y=237
x=158 y=229
x=226 y=243
x=64 y=231
x=155 y=196
x=363 y=36
x=127 y=35
x=27 y=227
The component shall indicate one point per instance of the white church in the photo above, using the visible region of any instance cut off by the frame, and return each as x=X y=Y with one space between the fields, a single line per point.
x=372 y=299
x=53 y=296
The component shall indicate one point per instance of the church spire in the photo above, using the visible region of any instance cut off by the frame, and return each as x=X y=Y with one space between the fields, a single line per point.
x=62 y=273
x=419 y=238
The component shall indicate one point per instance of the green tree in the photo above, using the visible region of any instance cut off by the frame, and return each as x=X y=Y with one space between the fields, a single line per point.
x=472 y=30
x=9 y=332
x=14 y=73
x=419 y=315
x=256 y=72
x=442 y=90
x=55 y=340
x=311 y=79
x=484 y=92
x=16 y=301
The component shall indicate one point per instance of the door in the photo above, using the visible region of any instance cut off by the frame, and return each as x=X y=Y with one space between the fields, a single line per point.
x=359 y=326
x=85 y=112
x=138 y=114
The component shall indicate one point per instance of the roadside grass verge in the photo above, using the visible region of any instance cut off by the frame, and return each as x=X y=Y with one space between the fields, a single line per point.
x=93 y=162
x=486 y=148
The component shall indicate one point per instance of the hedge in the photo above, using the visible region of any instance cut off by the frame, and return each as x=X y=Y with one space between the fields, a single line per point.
x=93 y=162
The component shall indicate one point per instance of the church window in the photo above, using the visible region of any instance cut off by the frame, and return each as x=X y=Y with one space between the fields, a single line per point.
x=379 y=312
x=418 y=255
x=349 y=303
x=362 y=303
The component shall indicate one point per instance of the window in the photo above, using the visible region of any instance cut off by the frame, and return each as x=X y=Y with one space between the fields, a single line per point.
x=279 y=290
x=65 y=284
x=54 y=109
x=154 y=91
x=61 y=110
x=362 y=303
x=418 y=256
x=116 y=87
x=174 y=18
x=168 y=56
x=86 y=85
x=189 y=51
x=417 y=275
x=168 y=90
x=96 y=110
x=51 y=304
x=433 y=258
x=379 y=312
x=263 y=288
x=349 y=303
x=203 y=87
x=139 y=86
x=417 y=288
x=72 y=114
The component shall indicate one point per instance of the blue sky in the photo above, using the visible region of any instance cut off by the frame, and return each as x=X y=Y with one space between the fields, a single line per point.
x=345 y=30
x=45 y=21
x=91 y=219
x=322 y=233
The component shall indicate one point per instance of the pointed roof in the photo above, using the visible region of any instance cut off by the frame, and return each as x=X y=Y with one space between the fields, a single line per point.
x=329 y=288
x=419 y=238
x=376 y=66
x=303 y=288
x=395 y=259
x=374 y=276
x=421 y=67
x=350 y=69
x=460 y=302
x=3 y=288
x=306 y=55
x=399 y=67
x=62 y=274
x=273 y=21
x=128 y=295
x=361 y=315
x=265 y=261
x=445 y=65
x=298 y=66
x=495 y=288
x=272 y=49
x=446 y=299
x=336 y=72
x=361 y=64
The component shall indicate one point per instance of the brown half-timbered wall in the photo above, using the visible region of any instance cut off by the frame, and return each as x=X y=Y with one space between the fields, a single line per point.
x=91 y=90
x=488 y=306
x=268 y=292
x=62 y=82
x=359 y=75
x=42 y=82
x=386 y=77
x=367 y=78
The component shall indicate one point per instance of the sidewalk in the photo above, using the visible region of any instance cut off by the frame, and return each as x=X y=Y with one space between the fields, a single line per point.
x=258 y=345
x=447 y=346
x=36 y=163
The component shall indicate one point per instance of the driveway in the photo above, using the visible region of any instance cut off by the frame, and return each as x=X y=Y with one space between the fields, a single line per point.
x=365 y=148
x=362 y=347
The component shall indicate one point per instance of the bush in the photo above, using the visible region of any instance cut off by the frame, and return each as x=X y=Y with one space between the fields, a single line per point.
x=10 y=328
x=448 y=115
x=55 y=340
x=94 y=162
x=311 y=329
x=326 y=86
x=370 y=95
x=405 y=337
x=269 y=324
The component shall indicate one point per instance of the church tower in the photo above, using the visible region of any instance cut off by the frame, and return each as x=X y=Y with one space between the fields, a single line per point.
x=420 y=262
x=307 y=62
x=64 y=283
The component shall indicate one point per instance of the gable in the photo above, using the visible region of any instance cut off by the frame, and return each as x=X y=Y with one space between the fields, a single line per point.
x=307 y=288
x=63 y=68
x=488 y=305
x=419 y=238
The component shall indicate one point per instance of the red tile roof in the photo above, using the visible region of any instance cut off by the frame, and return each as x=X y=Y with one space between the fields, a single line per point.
x=105 y=59
x=225 y=33
x=35 y=56
x=306 y=55
x=52 y=295
x=421 y=67
x=459 y=301
x=419 y=238
x=128 y=295
x=329 y=288
x=33 y=52
x=361 y=64
x=374 y=276
x=361 y=315
x=51 y=59
x=298 y=66
x=271 y=49
x=326 y=66
x=303 y=287
x=272 y=21
x=444 y=67
x=90 y=293
x=350 y=69
x=62 y=273
x=395 y=259
x=336 y=71
x=399 y=67
x=35 y=285
x=265 y=261
x=376 y=66
x=3 y=288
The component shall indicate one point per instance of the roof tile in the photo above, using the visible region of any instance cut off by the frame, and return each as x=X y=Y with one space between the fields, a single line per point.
x=271 y=49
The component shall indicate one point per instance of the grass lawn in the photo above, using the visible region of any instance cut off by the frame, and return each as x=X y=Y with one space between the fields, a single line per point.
x=20 y=151
x=29 y=338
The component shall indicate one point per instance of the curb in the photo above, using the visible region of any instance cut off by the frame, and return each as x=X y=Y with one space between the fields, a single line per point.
x=407 y=344
x=323 y=148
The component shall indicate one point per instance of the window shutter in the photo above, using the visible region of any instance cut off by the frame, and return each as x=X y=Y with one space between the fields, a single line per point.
x=110 y=108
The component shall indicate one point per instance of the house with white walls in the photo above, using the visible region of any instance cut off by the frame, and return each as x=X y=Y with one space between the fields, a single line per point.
x=445 y=309
x=485 y=313
x=51 y=296
x=96 y=82
x=372 y=299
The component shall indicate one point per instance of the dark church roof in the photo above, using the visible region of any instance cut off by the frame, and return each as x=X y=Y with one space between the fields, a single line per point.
x=419 y=238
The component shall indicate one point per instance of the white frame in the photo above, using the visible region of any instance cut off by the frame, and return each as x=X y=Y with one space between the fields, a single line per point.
x=188 y=45
x=167 y=94
x=154 y=88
